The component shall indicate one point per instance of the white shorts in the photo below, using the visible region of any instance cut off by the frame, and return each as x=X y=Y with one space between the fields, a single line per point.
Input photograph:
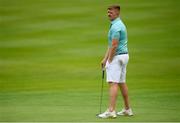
x=116 y=70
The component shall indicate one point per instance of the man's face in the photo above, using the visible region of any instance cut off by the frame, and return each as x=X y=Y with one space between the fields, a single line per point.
x=112 y=14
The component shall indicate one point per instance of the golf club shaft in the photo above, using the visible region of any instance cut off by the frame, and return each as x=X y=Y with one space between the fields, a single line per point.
x=102 y=86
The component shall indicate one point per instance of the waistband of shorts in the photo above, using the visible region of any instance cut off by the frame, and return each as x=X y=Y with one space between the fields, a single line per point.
x=122 y=53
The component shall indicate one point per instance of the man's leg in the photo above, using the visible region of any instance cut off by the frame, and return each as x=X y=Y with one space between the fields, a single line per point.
x=124 y=91
x=113 y=93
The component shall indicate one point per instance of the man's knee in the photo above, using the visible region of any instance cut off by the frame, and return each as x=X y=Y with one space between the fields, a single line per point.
x=113 y=83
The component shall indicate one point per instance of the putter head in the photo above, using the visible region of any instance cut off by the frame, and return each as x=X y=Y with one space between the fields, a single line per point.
x=97 y=115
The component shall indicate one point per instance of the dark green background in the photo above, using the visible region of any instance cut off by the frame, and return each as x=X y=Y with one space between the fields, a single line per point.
x=50 y=53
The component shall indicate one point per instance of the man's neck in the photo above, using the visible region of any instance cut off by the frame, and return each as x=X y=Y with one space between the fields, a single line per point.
x=115 y=18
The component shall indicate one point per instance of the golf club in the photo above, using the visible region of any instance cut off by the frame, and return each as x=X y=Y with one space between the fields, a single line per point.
x=102 y=86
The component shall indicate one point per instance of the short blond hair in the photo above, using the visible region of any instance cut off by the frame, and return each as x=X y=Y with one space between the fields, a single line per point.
x=117 y=7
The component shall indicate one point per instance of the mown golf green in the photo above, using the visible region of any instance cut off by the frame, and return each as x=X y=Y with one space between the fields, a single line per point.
x=50 y=53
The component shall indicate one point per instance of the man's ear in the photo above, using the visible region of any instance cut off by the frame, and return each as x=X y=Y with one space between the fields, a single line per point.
x=117 y=12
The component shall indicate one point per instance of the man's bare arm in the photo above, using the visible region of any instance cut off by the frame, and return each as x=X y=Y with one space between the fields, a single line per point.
x=103 y=62
x=112 y=50
x=107 y=54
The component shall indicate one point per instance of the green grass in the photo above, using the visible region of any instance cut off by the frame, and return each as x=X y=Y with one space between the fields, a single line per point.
x=50 y=52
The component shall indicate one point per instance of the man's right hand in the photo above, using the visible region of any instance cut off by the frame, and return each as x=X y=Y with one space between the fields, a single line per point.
x=103 y=63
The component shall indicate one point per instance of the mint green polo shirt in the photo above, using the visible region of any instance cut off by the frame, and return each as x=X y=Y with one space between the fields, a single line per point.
x=118 y=31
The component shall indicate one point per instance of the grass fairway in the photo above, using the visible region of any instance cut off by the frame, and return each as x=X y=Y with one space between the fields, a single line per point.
x=50 y=52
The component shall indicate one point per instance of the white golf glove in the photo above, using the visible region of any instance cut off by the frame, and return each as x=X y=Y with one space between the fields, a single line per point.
x=107 y=64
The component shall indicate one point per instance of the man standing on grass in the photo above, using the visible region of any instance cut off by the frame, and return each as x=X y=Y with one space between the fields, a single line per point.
x=115 y=62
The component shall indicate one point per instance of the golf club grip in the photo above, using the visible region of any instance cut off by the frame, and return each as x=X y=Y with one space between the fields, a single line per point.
x=102 y=74
x=102 y=67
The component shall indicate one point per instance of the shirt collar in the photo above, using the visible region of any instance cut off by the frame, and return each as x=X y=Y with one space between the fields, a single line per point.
x=115 y=20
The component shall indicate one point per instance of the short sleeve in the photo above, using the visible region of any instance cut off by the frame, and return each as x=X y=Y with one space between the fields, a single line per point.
x=116 y=35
